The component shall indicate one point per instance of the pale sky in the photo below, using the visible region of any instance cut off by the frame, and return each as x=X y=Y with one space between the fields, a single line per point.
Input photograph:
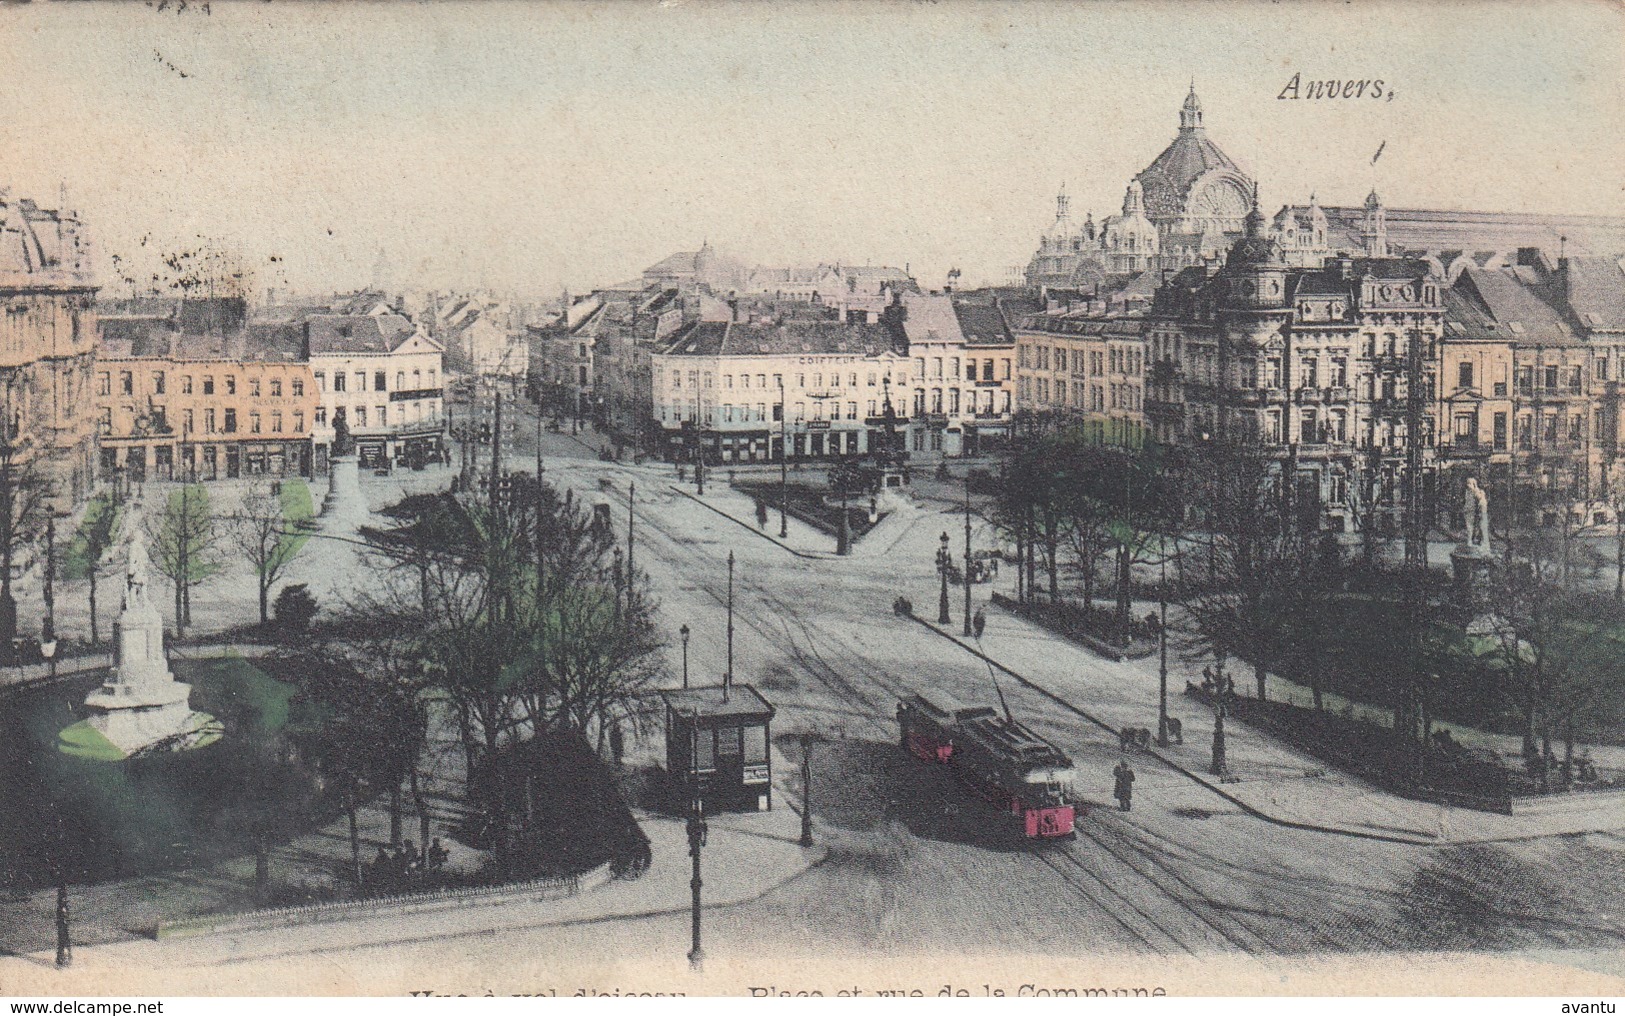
x=528 y=147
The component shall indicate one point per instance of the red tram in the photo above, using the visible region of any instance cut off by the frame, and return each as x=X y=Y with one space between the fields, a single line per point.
x=1000 y=760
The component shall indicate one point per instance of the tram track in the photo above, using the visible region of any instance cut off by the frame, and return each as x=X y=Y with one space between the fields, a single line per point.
x=1229 y=905
x=1159 y=874
x=1110 y=910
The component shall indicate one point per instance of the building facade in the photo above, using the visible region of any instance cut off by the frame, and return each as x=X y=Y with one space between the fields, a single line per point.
x=223 y=403
x=746 y=392
x=386 y=377
x=1335 y=369
x=961 y=381
x=48 y=345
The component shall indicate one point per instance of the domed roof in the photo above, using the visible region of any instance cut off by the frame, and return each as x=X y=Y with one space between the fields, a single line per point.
x=1255 y=249
x=1169 y=177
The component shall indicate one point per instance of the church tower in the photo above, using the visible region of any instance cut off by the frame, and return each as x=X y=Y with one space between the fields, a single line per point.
x=1374 y=227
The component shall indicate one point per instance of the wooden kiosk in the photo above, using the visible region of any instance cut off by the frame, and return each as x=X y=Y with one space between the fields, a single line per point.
x=717 y=747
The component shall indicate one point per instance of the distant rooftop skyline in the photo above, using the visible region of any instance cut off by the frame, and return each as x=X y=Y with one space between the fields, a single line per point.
x=530 y=148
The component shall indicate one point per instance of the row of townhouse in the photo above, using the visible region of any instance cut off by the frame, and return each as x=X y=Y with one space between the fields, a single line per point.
x=193 y=389
x=681 y=368
x=1507 y=369
x=927 y=373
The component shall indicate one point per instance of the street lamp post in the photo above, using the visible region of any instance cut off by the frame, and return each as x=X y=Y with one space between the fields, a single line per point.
x=807 y=740
x=48 y=632
x=683 y=631
x=696 y=841
x=943 y=617
x=967 y=633
x=1219 y=710
x=843 y=544
x=631 y=503
x=784 y=464
x=64 y=940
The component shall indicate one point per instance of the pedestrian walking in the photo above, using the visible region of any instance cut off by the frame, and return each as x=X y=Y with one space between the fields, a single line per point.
x=1124 y=789
x=979 y=623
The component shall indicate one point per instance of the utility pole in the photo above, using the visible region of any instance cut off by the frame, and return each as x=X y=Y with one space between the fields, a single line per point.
x=631 y=502
x=967 y=632
x=696 y=840
x=496 y=453
x=1162 y=659
x=728 y=677
x=943 y=617
x=784 y=464
x=1416 y=528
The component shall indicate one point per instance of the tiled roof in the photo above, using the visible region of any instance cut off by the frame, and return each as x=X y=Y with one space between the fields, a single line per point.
x=1596 y=292
x=1517 y=309
x=356 y=333
x=144 y=337
x=930 y=318
x=725 y=338
x=983 y=325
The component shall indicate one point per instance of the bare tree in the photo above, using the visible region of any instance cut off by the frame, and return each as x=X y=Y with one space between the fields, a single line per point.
x=24 y=497
x=260 y=532
x=1253 y=549
x=184 y=537
x=97 y=532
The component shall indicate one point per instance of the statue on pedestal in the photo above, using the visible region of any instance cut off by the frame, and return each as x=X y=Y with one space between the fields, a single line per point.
x=135 y=574
x=1476 y=509
x=343 y=442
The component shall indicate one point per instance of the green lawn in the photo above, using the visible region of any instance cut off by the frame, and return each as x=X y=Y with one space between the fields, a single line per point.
x=297 y=512
x=76 y=563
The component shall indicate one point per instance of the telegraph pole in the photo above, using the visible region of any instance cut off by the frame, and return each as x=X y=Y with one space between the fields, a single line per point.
x=631 y=502
x=728 y=678
x=1162 y=660
x=496 y=451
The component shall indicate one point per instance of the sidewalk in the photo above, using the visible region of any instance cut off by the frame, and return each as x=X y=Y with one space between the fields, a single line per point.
x=746 y=856
x=803 y=540
x=1268 y=779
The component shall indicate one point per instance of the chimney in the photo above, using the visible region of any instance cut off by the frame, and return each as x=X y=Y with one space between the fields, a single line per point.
x=733 y=307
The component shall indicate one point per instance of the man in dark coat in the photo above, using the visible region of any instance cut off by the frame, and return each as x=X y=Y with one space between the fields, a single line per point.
x=1124 y=789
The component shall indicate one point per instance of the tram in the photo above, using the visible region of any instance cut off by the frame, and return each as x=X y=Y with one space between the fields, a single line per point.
x=997 y=758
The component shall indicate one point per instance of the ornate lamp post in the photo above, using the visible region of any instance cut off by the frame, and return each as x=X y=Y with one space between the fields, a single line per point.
x=967 y=633
x=696 y=841
x=943 y=616
x=683 y=631
x=64 y=941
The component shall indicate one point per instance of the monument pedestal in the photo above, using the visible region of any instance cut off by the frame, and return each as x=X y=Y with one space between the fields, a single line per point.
x=140 y=707
x=1470 y=566
x=344 y=499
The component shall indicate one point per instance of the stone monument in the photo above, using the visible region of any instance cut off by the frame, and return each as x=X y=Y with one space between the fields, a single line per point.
x=1472 y=559
x=344 y=507
x=141 y=707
